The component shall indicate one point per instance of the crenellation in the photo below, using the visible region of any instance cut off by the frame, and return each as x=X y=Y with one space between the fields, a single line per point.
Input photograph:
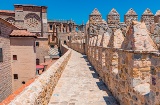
x=157 y=17
x=113 y=18
x=124 y=54
x=130 y=16
x=125 y=64
x=148 y=18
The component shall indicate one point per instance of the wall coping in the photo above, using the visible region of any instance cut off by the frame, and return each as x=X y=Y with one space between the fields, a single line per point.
x=31 y=93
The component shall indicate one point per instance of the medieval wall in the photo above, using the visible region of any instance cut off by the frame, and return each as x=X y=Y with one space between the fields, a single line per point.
x=126 y=73
x=127 y=65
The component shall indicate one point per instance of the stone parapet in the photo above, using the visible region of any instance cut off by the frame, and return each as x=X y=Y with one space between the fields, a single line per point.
x=40 y=91
x=77 y=43
x=154 y=97
x=127 y=73
x=125 y=63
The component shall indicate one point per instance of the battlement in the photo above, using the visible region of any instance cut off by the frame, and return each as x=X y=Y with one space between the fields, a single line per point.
x=128 y=65
x=113 y=15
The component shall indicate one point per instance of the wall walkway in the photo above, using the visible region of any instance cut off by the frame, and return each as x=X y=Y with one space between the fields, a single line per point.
x=80 y=85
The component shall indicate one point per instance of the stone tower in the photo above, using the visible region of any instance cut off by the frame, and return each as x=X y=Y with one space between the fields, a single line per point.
x=33 y=18
x=157 y=17
x=113 y=18
x=129 y=16
x=95 y=19
x=148 y=18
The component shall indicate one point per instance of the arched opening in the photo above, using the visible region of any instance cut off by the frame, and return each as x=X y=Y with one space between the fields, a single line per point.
x=70 y=27
x=65 y=42
x=51 y=27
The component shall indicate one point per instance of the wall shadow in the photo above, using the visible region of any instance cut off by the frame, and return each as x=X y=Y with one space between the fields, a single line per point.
x=110 y=100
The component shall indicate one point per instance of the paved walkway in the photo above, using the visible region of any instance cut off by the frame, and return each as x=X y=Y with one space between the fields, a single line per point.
x=79 y=85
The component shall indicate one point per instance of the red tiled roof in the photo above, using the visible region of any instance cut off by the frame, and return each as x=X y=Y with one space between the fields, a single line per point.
x=15 y=93
x=22 y=33
x=8 y=24
x=6 y=11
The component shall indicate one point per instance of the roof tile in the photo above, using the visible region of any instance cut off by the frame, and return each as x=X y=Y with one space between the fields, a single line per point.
x=6 y=11
x=22 y=33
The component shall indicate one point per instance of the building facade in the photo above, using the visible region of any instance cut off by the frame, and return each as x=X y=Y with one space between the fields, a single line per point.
x=5 y=59
x=17 y=57
x=59 y=26
x=23 y=57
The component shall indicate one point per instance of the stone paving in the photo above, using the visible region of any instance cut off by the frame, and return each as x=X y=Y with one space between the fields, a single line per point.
x=80 y=85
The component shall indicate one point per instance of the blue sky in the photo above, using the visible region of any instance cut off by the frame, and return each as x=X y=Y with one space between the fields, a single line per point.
x=79 y=10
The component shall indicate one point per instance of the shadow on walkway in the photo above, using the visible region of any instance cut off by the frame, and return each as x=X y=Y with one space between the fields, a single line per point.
x=110 y=100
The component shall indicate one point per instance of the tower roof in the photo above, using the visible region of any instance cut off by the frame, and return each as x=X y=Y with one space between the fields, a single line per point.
x=7 y=11
x=157 y=13
x=22 y=33
x=113 y=12
x=95 y=12
x=131 y=12
x=147 y=12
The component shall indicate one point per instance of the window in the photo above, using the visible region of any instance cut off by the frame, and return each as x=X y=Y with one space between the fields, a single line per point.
x=23 y=82
x=52 y=46
x=15 y=76
x=50 y=27
x=37 y=43
x=37 y=61
x=14 y=57
x=1 y=55
x=65 y=42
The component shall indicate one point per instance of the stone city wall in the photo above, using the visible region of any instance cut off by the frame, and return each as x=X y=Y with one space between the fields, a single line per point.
x=77 y=43
x=133 y=77
x=40 y=91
